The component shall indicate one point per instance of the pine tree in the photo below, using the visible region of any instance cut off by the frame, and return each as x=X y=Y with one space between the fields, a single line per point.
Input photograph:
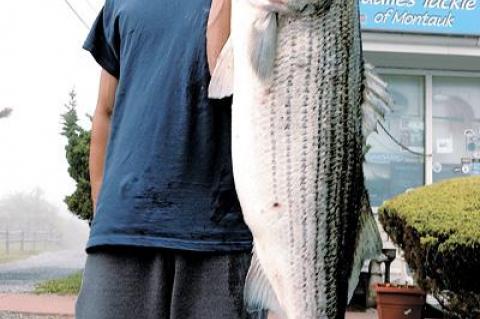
x=77 y=153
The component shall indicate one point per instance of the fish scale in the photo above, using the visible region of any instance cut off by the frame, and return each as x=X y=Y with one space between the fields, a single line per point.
x=298 y=140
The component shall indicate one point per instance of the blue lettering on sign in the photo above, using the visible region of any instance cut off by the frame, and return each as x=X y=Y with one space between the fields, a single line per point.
x=422 y=16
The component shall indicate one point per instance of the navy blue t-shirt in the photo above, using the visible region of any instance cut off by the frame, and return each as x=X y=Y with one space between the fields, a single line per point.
x=168 y=174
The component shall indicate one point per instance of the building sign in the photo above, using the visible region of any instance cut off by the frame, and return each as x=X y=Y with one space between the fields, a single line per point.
x=422 y=16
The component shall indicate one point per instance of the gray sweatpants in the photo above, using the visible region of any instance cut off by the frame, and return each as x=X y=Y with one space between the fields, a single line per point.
x=147 y=283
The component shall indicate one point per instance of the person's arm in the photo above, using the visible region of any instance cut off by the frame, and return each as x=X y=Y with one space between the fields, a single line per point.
x=218 y=30
x=101 y=131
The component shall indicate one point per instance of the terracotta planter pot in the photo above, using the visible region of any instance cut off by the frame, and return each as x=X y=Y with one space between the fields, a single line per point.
x=399 y=302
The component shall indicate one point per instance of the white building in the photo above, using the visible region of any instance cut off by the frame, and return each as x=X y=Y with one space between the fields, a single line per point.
x=429 y=53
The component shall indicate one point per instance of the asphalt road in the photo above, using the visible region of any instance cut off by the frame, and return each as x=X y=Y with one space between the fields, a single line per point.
x=22 y=275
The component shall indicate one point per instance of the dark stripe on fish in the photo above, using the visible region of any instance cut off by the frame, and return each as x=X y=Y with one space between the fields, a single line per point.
x=273 y=142
x=320 y=202
x=288 y=154
x=303 y=178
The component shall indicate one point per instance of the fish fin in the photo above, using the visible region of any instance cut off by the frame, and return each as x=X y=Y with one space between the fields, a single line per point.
x=368 y=245
x=221 y=82
x=258 y=292
x=263 y=44
x=377 y=101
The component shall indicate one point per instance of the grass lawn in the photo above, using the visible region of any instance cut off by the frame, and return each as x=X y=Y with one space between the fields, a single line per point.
x=63 y=286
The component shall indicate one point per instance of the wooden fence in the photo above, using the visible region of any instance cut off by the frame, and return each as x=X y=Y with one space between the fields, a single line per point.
x=21 y=240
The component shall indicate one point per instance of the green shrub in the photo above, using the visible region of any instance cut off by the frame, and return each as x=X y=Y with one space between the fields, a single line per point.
x=438 y=228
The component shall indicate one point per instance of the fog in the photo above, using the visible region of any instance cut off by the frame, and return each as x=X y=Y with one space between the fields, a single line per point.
x=41 y=60
x=29 y=222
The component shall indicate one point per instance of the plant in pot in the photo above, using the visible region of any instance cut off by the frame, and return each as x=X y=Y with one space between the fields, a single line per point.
x=438 y=229
x=395 y=301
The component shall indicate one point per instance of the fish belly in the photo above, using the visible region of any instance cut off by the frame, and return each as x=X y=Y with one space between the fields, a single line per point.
x=296 y=147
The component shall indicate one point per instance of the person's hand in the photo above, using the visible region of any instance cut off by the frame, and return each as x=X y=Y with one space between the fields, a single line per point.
x=272 y=315
x=271 y=5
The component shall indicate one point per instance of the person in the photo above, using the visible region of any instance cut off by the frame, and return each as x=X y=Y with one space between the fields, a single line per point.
x=167 y=237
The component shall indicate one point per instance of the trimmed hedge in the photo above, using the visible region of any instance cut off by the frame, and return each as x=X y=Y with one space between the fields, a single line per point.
x=438 y=228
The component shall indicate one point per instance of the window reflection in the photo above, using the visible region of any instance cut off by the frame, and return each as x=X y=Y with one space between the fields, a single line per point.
x=456 y=127
x=389 y=169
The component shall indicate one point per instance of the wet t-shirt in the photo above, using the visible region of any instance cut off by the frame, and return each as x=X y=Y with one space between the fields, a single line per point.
x=168 y=173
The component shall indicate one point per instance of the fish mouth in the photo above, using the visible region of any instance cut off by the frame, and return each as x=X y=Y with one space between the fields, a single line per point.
x=308 y=8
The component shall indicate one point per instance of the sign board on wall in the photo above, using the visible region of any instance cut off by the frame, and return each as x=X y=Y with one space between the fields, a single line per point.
x=461 y=17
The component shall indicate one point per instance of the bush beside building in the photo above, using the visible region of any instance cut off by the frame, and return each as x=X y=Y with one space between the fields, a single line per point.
x=438 y=228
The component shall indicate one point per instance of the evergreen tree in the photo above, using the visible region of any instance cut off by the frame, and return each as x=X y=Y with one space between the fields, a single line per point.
x=5 y=112
x=27 y=211
x=77 y=153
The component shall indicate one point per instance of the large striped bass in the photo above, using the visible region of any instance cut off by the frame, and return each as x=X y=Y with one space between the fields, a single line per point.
x=303 y=103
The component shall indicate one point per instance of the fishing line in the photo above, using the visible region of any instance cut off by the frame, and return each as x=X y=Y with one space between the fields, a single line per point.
x=77 y=14
x=400 y=143
x=90 y=5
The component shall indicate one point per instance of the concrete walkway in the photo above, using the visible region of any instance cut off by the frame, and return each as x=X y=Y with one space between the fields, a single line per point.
x=367 y=314
x=19 y=315
x=31 y=306
x=46 y=305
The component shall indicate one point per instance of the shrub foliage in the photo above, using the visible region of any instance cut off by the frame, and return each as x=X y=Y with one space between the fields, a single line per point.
x=438 y=227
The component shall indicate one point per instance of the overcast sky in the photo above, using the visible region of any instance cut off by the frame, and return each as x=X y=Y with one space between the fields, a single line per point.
x=41 y=60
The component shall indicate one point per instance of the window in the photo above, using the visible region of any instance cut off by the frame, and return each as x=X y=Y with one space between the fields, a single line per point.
x=389 y=168
x=456 y=127
x=437 y=111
